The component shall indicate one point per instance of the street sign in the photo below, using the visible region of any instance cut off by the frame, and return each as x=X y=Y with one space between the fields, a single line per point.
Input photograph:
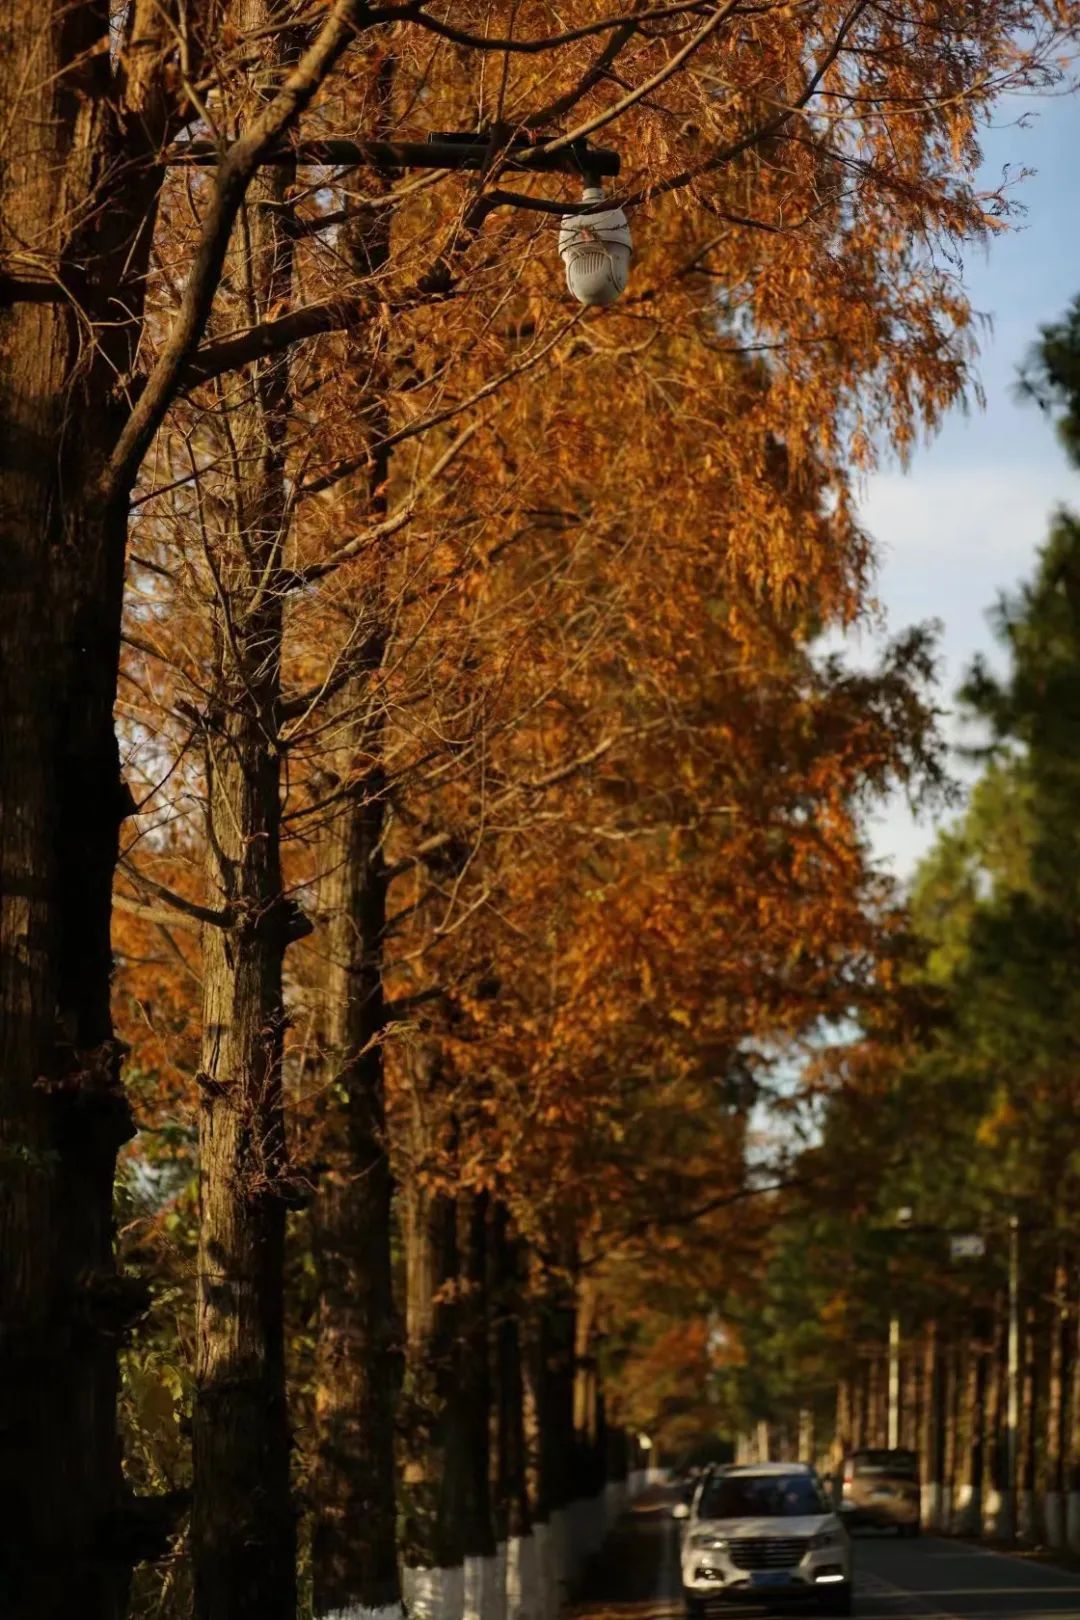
x=967 y=1246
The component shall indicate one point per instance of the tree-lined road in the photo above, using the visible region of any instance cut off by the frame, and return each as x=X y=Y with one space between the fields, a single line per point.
x=637 y=1578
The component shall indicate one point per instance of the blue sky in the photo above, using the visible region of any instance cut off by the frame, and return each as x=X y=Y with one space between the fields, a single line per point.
x=963 y=522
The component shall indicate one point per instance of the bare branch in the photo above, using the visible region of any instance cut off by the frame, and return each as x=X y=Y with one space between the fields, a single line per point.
x=231 y=181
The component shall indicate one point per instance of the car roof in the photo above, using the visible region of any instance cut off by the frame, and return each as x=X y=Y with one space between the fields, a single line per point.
x=768 y=1468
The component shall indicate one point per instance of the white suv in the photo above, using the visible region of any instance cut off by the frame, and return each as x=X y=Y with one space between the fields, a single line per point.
x=768 y=1529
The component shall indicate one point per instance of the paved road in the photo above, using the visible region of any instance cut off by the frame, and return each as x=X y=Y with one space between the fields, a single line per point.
x=637 y=1578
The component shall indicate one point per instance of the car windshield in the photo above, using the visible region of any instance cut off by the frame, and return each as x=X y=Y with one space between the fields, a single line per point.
x=769 y=1496
x=900 y=1464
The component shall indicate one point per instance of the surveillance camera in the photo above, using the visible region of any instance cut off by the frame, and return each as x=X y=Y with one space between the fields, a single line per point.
x=596 y=250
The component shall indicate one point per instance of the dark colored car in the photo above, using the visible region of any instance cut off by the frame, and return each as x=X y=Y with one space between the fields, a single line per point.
x=881 y=1488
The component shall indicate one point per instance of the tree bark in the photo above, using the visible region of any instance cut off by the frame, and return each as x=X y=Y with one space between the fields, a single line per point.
x=243 y=1529
x=1055 y=1408
x=993 y=1472
x=474 y=1397
x=510 y=1495
x=842 y=1429
x=587 y=1419
x=973 y=1431
x=932 y=1437
x=1072 y=1427
x=951 y=1439
x=1028 y=1433
x=75 y=186
x=358 y=1346
x=433 y=1471
x=359 y=1350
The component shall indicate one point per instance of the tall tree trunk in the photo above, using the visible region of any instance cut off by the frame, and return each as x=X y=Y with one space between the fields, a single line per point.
x=949 y=1473
x=1028 y=1434
x=1055 y=1407
x=244 y=1541
x=993 y=1473
x=75 y=185
x=932 y=1437
x=474 y=1406
x=509 y=1486
x=359 y=1351
x=843 y=1432
x=358 y=1347
x=587 y=1439
x=1072 y=1463
x=433 y=1467
x=969 y=1501
x=550 y=1336
x=911 y=1398
x=862 y=1403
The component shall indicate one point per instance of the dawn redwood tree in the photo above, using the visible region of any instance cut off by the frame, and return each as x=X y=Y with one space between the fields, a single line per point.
x=243 y=1526
x=88 y=110
x=77 y=203
x=358 y=1346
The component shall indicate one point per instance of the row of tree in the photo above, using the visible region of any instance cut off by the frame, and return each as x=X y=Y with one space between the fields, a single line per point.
x=957 y=1104
x=481 y=816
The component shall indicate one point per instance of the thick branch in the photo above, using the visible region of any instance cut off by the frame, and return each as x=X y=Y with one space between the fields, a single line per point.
x=177 y=902
x=549 y=42
x=231 y=181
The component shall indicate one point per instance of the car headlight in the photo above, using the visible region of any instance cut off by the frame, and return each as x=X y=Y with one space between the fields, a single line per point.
x=827 y=1538
x=707 y=1541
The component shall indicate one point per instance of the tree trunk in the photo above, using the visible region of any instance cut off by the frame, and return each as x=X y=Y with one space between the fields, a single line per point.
x=433 y=1472
x=358 y=1346
x=931 y=1442
x=550 y=1452
x=510 y=1496
x=951 y=1442
x=1072 y=1468
x=243 y=1530
x=1054 y=1484
x=587 y=1442
x=862 y=1404
x=842 y=1430
x=73 y=185
x=359 y=1351
x=993 y=1472
x=473 y=1405
x=969 y=1499
x=1028 y=1433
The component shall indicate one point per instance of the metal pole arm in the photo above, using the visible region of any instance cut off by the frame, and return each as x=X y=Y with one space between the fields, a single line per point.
x=438 y=152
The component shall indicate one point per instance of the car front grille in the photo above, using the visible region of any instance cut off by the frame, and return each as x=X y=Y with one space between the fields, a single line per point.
x=768 y=1552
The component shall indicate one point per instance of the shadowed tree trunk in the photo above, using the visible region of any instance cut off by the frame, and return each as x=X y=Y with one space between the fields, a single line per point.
x=1027 y=1439
x=243 y=1524
x=1072 y=1429
x=78 y=196
x=1055 y=1405
x=588 y=1446
x=842 y=1433
x=974 y=1437
x=930 y=1440
x=993 y=1473
x=354 y=1550
x=953 y=1405
x=358 y=1347
x=510 y=1492
x=433 y=1458
x=548 y=1337
x=473 y=1404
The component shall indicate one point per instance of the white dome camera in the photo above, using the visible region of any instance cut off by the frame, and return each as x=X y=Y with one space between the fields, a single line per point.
x=596 y=249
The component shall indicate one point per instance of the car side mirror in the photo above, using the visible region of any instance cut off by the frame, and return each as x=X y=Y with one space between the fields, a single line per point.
x=681 y=1510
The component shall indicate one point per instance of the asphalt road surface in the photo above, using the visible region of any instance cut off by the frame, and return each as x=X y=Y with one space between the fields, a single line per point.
x=636 y=1577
